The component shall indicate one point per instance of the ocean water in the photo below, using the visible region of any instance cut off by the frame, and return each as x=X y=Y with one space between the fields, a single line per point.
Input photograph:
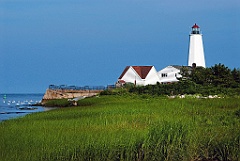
x=19 y=105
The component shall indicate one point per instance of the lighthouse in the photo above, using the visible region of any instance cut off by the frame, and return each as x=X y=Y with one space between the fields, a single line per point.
x=196 y=52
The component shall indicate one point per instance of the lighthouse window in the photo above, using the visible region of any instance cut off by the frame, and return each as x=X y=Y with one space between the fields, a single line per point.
x=164 y=74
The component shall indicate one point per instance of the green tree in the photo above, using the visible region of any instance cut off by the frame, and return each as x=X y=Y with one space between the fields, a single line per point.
x=202 y=76
x=236 y=77
x=222 y=75
x=185 y=72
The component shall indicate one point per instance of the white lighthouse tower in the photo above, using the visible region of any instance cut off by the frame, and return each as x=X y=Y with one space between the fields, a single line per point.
x=196 y=52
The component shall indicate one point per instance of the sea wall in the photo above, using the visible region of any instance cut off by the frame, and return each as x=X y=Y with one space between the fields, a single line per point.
x=52 y=94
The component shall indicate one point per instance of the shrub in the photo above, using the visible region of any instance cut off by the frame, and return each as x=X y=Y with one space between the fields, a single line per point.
x=117 y=91
x=58 y=103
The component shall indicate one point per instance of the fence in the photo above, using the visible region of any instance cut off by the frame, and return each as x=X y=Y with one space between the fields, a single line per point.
x=65 y=87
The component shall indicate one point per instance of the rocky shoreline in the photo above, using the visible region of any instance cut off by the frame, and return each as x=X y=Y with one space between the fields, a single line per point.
x=53 y=94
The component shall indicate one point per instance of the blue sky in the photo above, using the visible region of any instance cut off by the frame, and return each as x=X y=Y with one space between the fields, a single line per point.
x=89 y=42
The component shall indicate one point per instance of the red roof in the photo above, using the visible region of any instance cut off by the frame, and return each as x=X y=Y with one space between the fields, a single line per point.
x=195 y=26
x=142 y=71
x=124 y=71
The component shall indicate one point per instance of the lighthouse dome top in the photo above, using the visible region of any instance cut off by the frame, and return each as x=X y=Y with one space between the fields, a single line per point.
x=195 y=29
x=195 y=26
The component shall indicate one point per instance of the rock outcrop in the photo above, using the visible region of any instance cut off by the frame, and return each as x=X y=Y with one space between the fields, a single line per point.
x=52 y=94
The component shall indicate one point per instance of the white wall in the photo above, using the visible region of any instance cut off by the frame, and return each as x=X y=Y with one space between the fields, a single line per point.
x=196 y=51
x=152 y=77
x=171 y=72
x=131 y=75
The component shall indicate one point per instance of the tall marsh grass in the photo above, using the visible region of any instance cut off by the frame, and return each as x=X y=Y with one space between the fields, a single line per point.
x=127 y=128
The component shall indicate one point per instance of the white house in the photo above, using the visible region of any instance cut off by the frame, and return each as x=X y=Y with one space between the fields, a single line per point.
x=172 y=73
x=139 y=75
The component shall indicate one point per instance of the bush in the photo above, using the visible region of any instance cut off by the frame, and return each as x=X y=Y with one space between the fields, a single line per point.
x=117 y=91
x=58 y=103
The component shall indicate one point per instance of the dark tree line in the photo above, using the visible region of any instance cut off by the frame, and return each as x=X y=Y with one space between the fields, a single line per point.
x=218 y=76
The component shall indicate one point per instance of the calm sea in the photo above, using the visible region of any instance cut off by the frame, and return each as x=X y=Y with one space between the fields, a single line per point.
x=18 y=105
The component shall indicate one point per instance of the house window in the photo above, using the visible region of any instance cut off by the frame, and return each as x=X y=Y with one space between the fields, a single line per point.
x=164 y=74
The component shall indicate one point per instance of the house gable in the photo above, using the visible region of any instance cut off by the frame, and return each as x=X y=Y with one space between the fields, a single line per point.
x=142 y=71
x=129 y=75
x=140 y=75
x=152 y=77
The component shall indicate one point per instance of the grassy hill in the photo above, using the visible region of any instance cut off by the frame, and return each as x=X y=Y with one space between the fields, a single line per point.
x=129 y=127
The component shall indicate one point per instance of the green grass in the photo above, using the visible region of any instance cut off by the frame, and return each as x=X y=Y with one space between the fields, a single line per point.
x=127 y=128
x=58 y=103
